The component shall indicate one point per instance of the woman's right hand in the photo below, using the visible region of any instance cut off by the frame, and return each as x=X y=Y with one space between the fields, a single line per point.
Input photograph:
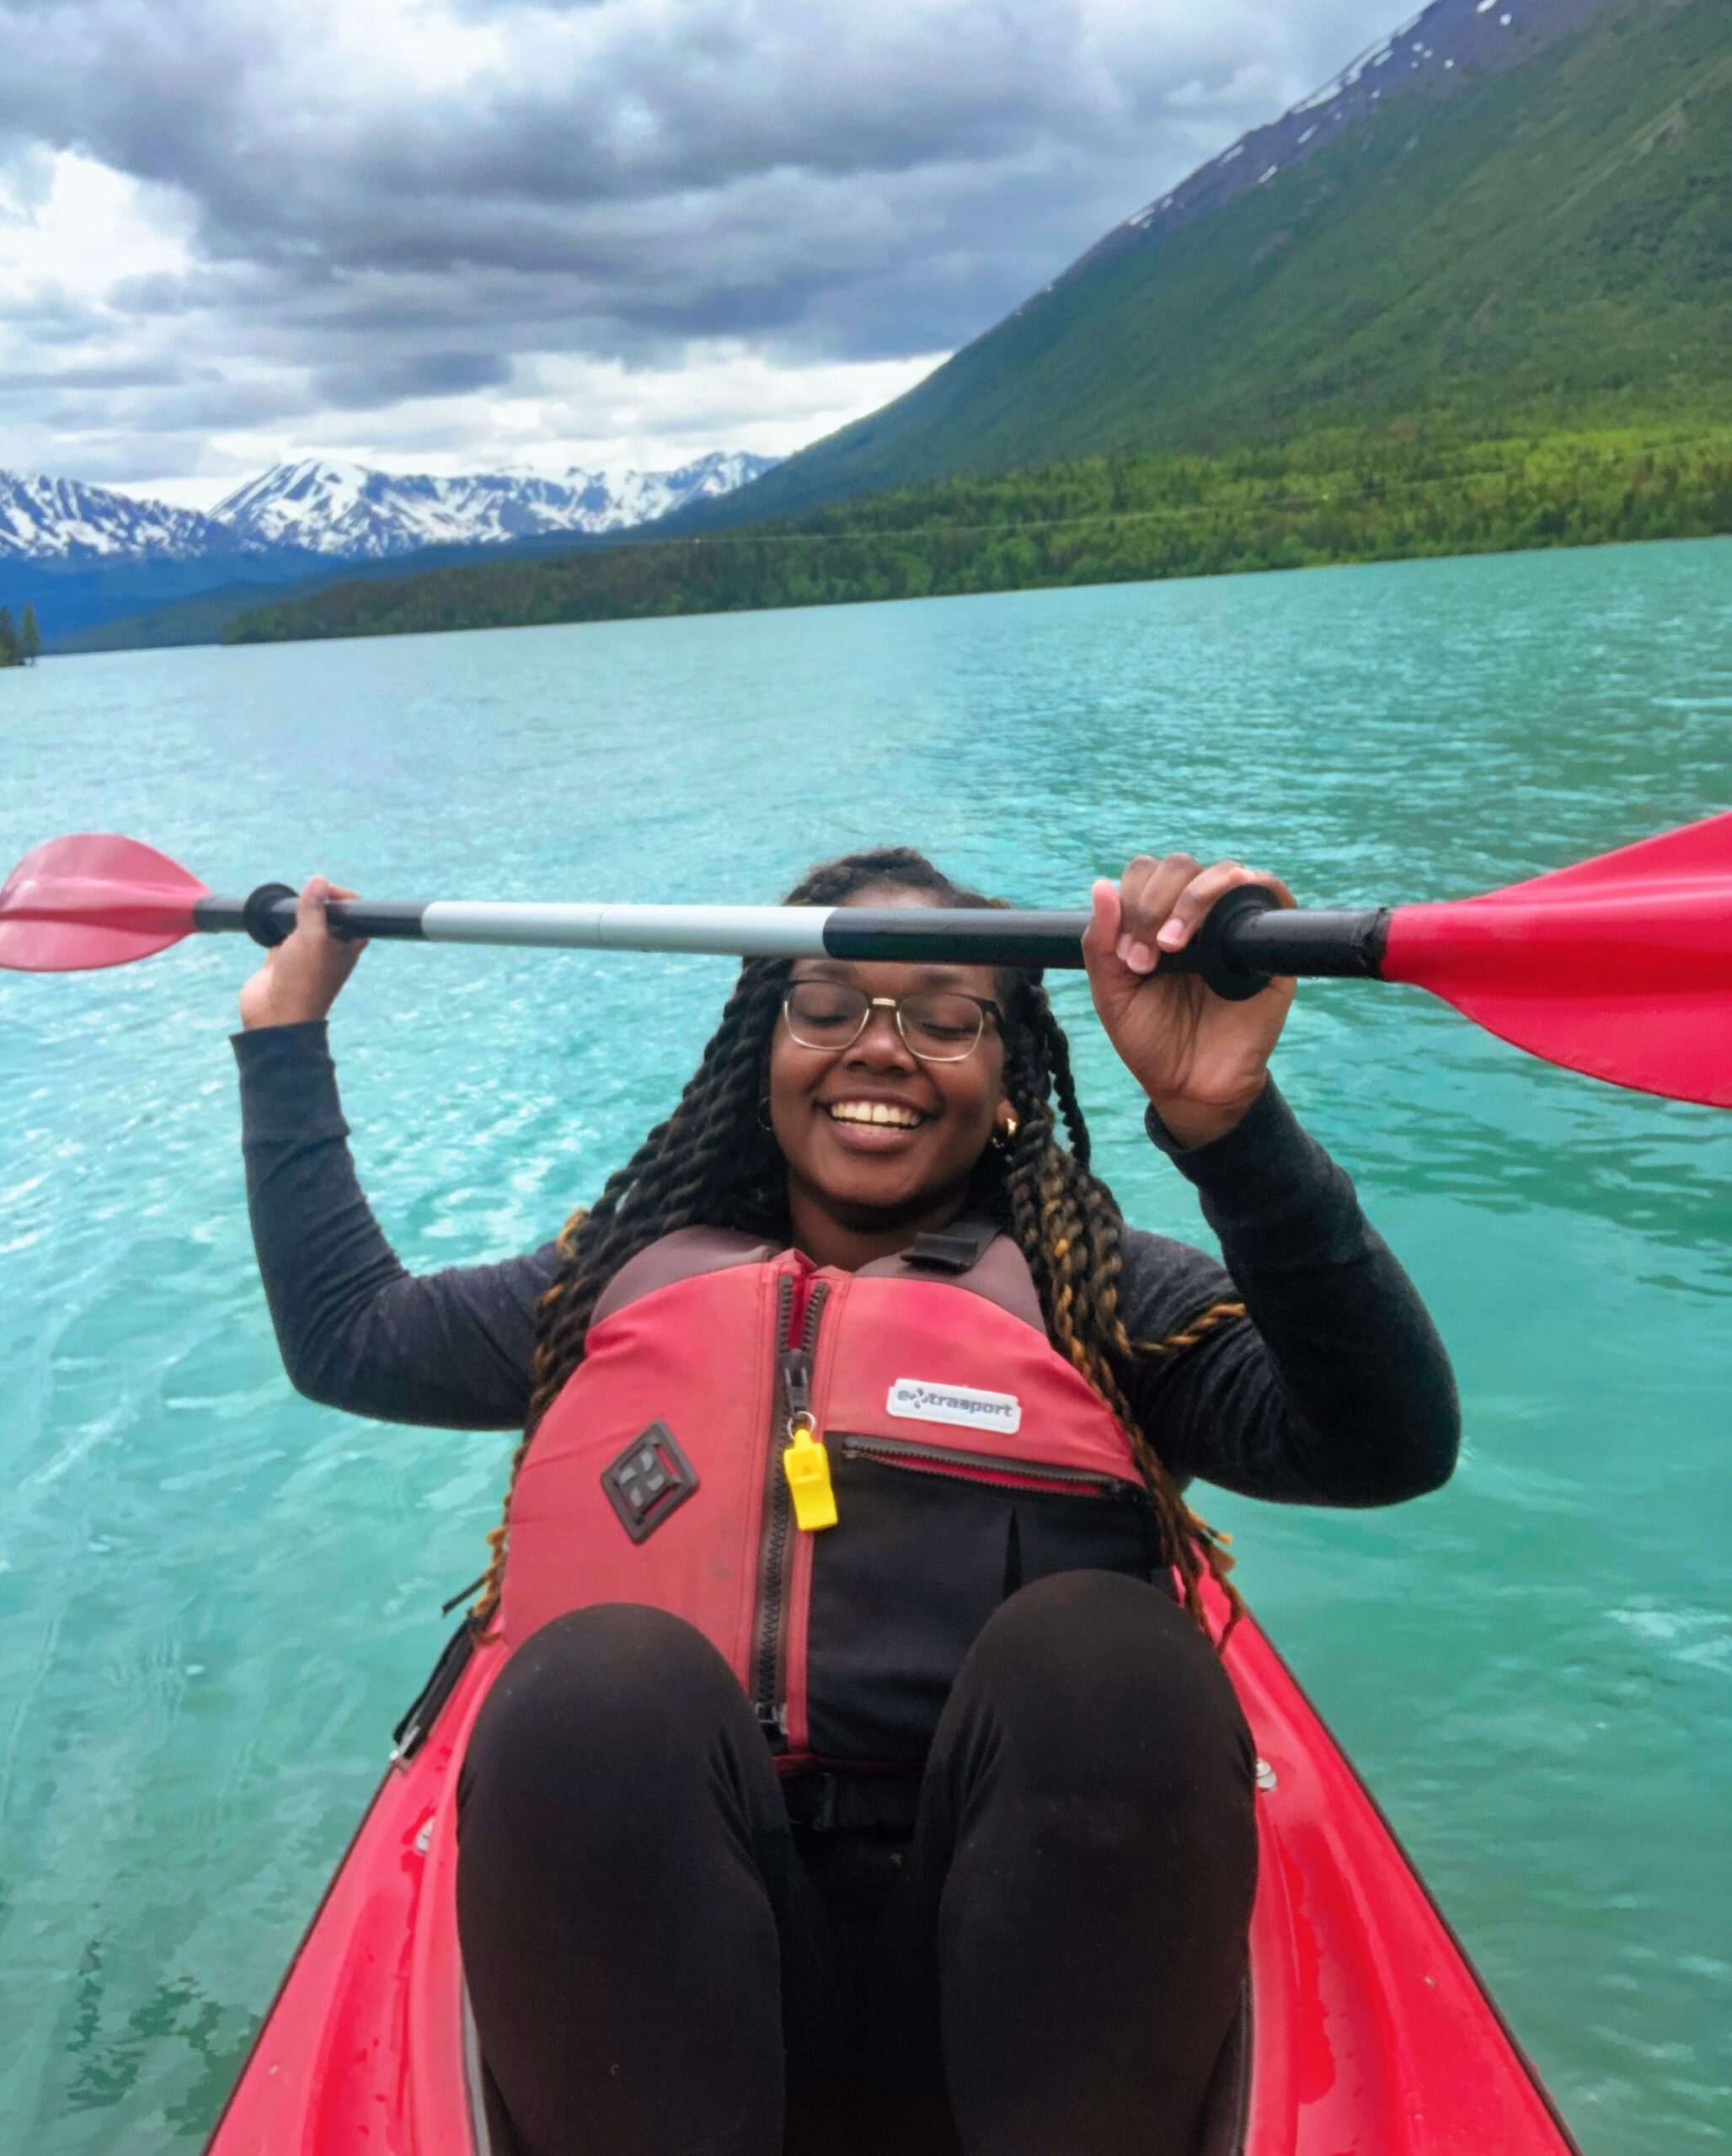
x=303 y=975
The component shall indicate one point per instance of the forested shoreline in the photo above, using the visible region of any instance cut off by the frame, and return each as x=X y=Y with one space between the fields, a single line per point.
x=1129 y=518
x=20 y=640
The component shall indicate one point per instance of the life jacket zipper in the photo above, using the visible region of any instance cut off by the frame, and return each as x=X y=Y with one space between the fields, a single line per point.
x=986 y=1467
x=796 y=1338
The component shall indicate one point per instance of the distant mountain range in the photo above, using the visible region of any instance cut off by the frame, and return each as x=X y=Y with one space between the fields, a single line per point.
x=347 y=510
x=87 y=555
x=44 y=520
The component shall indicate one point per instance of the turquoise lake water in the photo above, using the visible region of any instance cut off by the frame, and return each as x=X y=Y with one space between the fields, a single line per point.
x=215 y=1597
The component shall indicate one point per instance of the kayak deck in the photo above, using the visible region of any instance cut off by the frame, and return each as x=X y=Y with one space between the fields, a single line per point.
x=1370 y=2031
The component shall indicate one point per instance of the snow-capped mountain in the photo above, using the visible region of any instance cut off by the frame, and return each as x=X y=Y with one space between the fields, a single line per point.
x=324 y=507
x=44 y=520
x=1430 y=55
x=343 y=511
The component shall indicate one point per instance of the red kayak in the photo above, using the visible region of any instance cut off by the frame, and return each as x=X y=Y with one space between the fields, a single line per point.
x=1369 y=2034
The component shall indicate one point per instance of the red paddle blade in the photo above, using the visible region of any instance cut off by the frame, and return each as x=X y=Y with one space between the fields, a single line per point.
x=1620 y=967
x=92 y=900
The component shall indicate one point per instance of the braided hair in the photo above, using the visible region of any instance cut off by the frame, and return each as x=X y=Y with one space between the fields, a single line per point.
x=714 y=1163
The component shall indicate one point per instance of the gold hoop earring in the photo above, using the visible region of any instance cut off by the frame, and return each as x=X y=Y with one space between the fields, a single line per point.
x=1006 y=1131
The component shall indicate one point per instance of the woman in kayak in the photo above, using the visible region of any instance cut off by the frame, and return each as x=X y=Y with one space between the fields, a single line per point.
x=1038 y=1932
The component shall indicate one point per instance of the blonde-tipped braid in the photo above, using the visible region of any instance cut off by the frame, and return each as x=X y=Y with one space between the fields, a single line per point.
x=1068 y=1226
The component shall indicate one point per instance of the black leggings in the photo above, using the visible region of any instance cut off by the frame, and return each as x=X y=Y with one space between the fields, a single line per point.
x=659 y=1964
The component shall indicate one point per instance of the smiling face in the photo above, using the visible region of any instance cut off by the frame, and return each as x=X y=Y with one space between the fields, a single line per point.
x=877 y=1140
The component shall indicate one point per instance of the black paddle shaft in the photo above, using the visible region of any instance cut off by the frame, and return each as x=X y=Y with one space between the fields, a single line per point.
x=1246 y=936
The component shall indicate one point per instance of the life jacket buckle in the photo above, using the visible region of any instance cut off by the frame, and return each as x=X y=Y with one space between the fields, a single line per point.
x=651 y=1479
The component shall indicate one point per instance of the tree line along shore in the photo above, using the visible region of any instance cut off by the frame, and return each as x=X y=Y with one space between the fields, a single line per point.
x=1333 y=497
x=20 y=639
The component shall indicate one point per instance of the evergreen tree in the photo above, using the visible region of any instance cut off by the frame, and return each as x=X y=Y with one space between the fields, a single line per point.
x=10 y=653
x=29 y=636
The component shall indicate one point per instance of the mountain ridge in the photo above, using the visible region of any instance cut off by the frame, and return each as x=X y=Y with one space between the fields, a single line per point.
x=323 y=506
x=47 y=518
x=360 y=514
x=1546 y=237
x=1483 y=35
x=85 y=556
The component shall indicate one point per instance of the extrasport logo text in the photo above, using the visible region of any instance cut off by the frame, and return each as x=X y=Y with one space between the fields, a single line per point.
x=920 y=1399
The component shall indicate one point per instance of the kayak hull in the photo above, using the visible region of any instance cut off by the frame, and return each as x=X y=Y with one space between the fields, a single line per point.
x=1369 y=2030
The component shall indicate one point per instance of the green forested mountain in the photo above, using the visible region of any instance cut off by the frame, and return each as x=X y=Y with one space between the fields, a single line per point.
x=1544 y=241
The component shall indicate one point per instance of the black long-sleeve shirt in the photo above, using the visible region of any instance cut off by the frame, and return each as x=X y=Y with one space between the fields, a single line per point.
x=1337 y=1391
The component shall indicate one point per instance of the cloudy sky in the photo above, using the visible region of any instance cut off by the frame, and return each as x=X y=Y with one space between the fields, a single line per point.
x=444 y=235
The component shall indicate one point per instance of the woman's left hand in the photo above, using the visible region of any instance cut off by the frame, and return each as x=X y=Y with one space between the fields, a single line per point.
x=1201 y=1059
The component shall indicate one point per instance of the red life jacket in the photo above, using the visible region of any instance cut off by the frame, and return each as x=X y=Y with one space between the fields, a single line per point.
x=965 y=1456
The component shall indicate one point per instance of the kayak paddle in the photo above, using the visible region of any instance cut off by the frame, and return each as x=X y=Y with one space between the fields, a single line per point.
x=1619 y=967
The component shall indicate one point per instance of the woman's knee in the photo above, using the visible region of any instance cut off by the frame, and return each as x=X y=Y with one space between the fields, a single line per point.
x=619 y=1692
x=1094 y=1681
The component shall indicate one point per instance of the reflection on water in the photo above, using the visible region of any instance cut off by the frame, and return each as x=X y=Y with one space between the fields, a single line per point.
x=215 y=1597
x=174 y=2035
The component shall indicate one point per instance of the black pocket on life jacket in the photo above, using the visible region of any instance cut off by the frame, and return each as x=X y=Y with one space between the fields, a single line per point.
x=928 y=1543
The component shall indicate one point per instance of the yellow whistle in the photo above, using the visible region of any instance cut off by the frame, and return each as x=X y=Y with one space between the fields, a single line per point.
x=807 y=1466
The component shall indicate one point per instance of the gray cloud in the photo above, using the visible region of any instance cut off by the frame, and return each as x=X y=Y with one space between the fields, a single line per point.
x=375 y=219
x=99 y=373
x=189 y=406
x=421 y=374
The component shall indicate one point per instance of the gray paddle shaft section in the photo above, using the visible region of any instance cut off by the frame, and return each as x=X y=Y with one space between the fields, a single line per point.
x=719 y=932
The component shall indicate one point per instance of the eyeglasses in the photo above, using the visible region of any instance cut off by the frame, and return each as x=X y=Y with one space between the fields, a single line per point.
x=939 y=1025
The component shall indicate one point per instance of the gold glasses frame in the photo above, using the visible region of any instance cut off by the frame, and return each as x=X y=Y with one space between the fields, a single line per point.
x=983 y=1004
